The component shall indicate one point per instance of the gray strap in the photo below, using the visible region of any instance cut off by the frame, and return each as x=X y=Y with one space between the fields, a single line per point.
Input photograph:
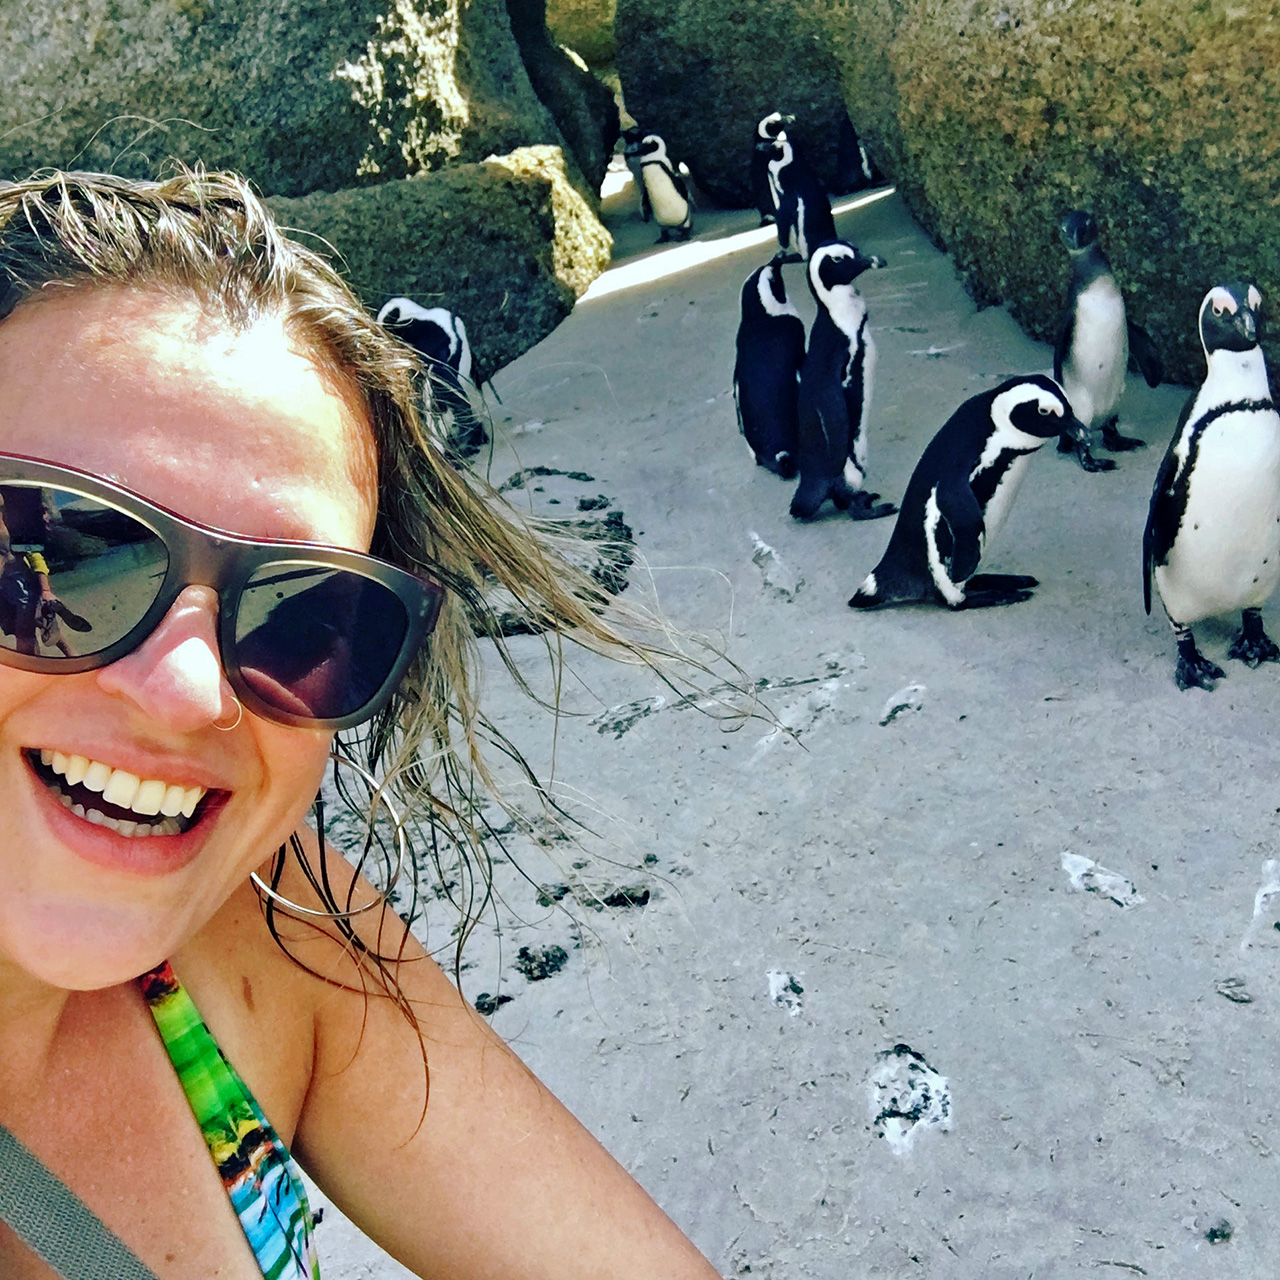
x=57 y=1225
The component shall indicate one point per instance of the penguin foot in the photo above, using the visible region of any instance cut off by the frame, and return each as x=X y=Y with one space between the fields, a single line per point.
x=1194 y=670
x=863 y=506
x=1001 y=582
x=1089 y=463
x=990 y=599
x=1253 y=646
x=1113 y=440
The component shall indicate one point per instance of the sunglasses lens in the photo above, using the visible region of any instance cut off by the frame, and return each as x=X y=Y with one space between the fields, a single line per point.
x=76 y=574
x=315 y=641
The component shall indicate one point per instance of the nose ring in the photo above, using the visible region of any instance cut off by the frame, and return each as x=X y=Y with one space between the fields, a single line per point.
x=226 y=728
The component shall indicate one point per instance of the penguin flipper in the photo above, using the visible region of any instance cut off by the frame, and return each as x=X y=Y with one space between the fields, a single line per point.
x=959 y=508
x=1143 y=352
x=1164 y=514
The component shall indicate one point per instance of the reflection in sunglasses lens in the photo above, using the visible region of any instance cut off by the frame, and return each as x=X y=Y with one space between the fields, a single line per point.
x=76 y=575
x=317 y=641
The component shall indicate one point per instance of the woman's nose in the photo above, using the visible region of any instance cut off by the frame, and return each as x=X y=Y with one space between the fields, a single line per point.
x=175 y=675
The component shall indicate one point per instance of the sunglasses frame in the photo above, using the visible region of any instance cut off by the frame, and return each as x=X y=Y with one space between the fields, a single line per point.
x=200 y=555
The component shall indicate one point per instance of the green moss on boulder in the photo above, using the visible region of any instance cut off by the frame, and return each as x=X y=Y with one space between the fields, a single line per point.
x=586 y=27
x=304 y=97
x=508 y=244
x=703 y=72
x=995 y=116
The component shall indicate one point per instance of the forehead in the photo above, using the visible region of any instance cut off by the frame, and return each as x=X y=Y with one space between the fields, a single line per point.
x=243 y=430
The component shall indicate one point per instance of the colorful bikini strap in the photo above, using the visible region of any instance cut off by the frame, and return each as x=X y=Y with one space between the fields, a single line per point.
x=260 y=1176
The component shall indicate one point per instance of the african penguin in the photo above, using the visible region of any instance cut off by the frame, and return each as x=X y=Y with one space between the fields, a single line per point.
x=958 y=497
x=804 y=212
x=632 y=145
x=770 y=351
x=835 y=389
x=665 y=187
x=1212 y=541
x=764 y=149
x=1095 y=340
x=440 y=338
x=856 y=168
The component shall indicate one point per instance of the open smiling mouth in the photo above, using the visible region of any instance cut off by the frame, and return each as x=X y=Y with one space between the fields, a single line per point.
x=116 y=799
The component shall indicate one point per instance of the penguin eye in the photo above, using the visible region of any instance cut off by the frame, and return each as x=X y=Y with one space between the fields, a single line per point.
x=1218 y=308
x=1045 y=411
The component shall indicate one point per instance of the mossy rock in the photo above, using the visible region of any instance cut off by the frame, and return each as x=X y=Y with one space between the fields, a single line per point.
x=586 y=27
x=584 y=110
x=318 y=96
x=508 y=244
x=995 y=117
x=703 y=72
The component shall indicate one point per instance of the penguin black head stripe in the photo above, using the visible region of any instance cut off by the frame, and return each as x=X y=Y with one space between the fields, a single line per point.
x=770 y=127
x=1229 y=317
x=837 y=262
x=1078 y=230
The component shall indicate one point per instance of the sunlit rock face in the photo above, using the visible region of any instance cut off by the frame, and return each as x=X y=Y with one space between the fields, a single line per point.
x=703 y=72
x=540 y=248
x=995 y=117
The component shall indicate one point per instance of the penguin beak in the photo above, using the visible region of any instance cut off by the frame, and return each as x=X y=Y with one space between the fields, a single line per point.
x=1247 y=324
x=874 y=260
x=1071 y=425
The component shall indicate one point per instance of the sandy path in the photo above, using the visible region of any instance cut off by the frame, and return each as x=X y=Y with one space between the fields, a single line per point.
x=1109 y=1056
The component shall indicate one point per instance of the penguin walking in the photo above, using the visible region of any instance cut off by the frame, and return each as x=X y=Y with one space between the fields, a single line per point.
x=804 y=212
x=764 y=149
x=1212 y=541
x=958 y=497
x=440 y=338
x=1095 y=340
x=770 y=350
x=835 y=390
x=666 y=189
x=632 y=145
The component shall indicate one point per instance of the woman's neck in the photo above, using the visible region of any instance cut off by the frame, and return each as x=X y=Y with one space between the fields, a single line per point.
x=31 y=1014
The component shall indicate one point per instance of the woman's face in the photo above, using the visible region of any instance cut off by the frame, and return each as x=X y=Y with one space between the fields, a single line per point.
x=242 y=431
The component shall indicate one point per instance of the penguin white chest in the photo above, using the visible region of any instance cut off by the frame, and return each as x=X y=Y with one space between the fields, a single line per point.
x=1093 y=373
x=1001 y=500
x=670 y=208
x=1226 y=555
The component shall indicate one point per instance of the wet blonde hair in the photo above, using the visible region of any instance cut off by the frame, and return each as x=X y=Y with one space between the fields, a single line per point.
x=208 y=235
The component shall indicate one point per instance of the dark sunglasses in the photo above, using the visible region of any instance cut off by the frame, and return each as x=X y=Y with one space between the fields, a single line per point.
x=309 y=635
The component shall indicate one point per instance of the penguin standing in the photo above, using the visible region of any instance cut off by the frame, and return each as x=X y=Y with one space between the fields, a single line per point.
x=765 y=376
x=764 y=149
x=632 y=145
x=804 y=212
x=835 y=390
x=1212 y=541
x=668 y=195
x=1095 y=341
x=440 y=338
x=958 y=497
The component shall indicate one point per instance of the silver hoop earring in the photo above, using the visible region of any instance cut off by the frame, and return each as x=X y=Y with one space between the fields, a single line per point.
x=379 y=898
x=226 y=728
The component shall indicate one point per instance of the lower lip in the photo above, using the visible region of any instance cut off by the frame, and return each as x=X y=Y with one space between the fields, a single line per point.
x=137 y=855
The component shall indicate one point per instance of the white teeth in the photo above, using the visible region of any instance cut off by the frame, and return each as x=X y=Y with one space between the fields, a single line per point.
x=149 y=797
x=96 y=775
x=121 y=788
x=171 y=805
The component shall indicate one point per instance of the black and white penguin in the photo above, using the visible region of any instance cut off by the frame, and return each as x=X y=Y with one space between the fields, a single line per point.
x=835 y=389
x=666 y=189
x=804 y=212
x=766 y=373
x=856 y=168
x=1212 y=541
x=764 y=149
x=440 y=338
x=632 y=145
x=958 y=497
x=1095 y=340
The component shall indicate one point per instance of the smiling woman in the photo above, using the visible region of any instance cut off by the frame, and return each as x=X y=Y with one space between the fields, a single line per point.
x=224 y=534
